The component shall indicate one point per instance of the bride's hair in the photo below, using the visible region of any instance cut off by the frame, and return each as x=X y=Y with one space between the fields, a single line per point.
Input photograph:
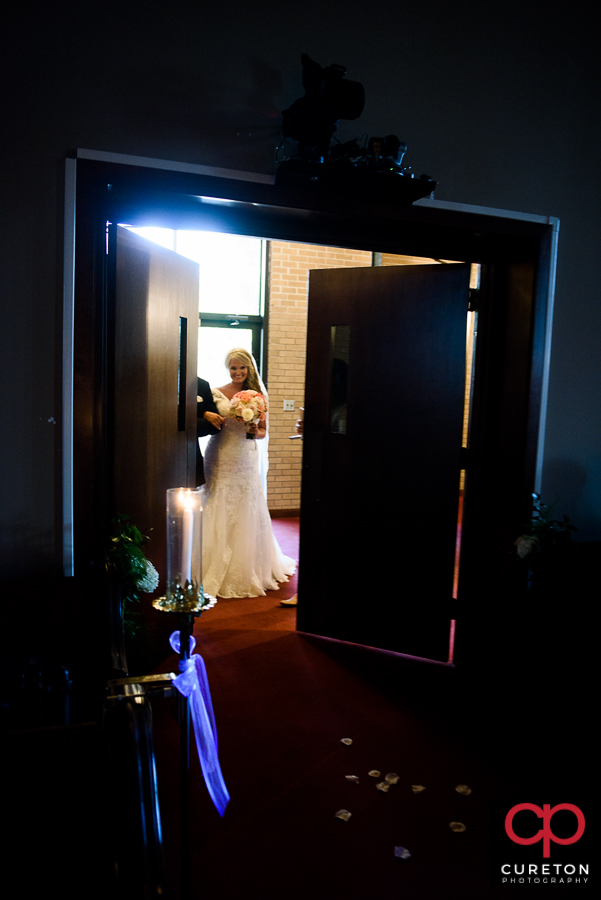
x=252 y=379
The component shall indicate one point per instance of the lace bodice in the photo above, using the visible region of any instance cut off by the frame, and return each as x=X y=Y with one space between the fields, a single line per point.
x=229 y=455
x=221 y=402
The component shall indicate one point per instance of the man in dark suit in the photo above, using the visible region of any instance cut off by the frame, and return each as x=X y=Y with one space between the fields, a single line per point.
x=208 y=421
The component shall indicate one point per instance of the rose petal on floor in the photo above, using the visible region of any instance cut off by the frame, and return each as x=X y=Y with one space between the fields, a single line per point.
x=343 y=814
x=383 y=786
x=457 y=826
x=402 y=853
x=374 y=773
x=463 y=789
x=347 y=741
x=417 y=788
x=391 y=778
x=354 y=778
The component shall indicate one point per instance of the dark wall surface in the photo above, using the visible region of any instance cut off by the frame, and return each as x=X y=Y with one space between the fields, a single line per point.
x=495 y=101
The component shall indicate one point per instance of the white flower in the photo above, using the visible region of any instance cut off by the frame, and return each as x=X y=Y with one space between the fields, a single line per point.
x=525 y=544
x=150 y=581
x=248 y=415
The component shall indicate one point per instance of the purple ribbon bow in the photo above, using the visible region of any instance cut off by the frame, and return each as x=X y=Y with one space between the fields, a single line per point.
x=193 y=683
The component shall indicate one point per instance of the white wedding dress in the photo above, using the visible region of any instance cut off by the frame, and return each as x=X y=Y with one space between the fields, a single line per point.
x=241 y=557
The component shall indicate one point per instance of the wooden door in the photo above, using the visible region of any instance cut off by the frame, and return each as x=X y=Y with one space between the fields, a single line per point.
x=155 y=383
x=381 y=457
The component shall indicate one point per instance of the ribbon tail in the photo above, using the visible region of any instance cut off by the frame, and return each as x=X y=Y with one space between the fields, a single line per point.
x=203 y=684
x=193 y=683
x=206 y=744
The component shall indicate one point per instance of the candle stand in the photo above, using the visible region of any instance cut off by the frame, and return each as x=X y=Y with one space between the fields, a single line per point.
x=128 y=698
x=185 y=600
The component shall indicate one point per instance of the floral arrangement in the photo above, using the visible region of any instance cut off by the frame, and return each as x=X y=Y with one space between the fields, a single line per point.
x=135 y=573
x=547 y=549
x=543 y=534
x=248 y=406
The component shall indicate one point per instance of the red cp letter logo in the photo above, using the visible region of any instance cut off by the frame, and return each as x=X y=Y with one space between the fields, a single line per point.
x=546 y=814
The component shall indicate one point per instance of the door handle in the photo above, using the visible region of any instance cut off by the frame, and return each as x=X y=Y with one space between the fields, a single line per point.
x=182 y=368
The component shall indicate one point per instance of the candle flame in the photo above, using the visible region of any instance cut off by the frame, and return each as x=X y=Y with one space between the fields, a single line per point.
x=186 y=499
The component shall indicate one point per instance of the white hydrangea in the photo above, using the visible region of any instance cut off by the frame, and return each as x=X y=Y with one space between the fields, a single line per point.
x=526 y=543
x=150 y=581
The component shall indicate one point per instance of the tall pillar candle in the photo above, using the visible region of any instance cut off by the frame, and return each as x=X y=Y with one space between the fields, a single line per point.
x=184 y=527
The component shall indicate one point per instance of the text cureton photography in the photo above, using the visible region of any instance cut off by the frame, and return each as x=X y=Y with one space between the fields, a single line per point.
x=542 y=843
x=547 y=873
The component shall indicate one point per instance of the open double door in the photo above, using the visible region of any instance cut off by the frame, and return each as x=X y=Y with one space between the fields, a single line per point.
x=383 y=429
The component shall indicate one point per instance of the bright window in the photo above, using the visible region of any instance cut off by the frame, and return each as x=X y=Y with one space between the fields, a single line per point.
x=231 y=267
x=231 y=292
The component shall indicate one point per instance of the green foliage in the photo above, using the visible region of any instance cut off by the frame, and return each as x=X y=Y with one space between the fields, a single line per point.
x=547 y=549
x=550 y=535
x=127 y=560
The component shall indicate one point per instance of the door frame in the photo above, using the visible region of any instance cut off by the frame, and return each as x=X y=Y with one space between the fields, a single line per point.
x=518 y=257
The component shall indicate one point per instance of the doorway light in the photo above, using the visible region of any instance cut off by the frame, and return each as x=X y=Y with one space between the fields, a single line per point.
x=230 y=266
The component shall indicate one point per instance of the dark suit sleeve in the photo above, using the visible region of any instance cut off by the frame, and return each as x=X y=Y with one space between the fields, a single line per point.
x=207 y=404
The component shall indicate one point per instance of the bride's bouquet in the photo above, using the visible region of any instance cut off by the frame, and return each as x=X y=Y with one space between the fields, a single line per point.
x=247 y=407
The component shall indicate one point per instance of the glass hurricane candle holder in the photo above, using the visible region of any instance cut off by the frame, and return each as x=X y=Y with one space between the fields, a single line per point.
x=184 y=553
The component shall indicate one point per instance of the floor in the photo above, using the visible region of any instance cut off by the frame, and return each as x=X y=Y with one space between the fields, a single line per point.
x=283 y=703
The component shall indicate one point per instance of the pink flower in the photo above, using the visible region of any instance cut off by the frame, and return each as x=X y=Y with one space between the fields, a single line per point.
x=248 y=406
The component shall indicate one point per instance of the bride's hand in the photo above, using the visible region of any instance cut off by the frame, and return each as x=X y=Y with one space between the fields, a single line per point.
x=258 y=428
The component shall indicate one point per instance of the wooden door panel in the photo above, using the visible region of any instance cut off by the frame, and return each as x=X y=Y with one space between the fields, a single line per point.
x=155 y=287
x=379 y=505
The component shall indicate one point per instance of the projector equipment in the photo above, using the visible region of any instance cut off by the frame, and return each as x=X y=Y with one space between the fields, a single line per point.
x=313 y=161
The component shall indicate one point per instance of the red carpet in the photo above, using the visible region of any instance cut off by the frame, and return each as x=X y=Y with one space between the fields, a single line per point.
x=283 y=702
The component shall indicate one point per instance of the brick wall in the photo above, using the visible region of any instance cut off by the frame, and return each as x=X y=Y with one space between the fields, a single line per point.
x=287 y=284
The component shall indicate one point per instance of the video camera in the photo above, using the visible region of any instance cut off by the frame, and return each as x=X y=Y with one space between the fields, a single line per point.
x=312 y=160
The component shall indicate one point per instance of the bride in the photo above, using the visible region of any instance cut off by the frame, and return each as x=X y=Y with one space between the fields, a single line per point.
x=241 y=557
